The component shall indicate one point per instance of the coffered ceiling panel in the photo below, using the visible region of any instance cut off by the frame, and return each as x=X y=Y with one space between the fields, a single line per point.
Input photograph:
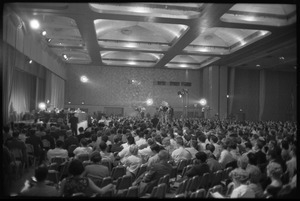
x=165 y=35
x=167 y=10
x=263 y=14
x=221 y=40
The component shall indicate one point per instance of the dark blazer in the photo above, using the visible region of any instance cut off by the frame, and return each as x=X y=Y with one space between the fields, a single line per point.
x=198 y=169
x=157 y=171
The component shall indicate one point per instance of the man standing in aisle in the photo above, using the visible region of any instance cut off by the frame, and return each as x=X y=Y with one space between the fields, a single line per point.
x=73 y=121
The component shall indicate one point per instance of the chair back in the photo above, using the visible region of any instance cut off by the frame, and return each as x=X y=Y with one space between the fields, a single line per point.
x=193 y=184
x=106 y=181
x=96 y=179
x=165 y=179
x=217 y=188
x=123 y=182
x=142 y=168
x=46 y=143
x=83 y=157
x=181 y=164
x=201 y=193
x=58 y=160
x=118 y=171
x=185 y=169
x=173 y=173
x=107 y=163
x=216 y=177
x=71 y=148
x=133 y=192
x=182 y=186
x=204 y=181
x=161 y=191
x=285 y=177
x=230 y=188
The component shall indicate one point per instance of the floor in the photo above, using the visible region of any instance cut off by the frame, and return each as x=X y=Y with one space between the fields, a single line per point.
x=17 y=184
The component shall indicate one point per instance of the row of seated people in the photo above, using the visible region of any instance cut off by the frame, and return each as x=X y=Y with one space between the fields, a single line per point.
x=225 y=151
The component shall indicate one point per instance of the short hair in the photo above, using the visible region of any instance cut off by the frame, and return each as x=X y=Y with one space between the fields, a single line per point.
x=130 y=140
x=259 y=144
x=201 y=156
x=15 y=134
x=59 y=143
x=248 y=145
x=202 y=138
x=274 y=169
x=163 y=155
x=150 y=141
x=133 y=149
x=80 y=129
x=104 y=138
x=94 y=137
x=214 y=138
x=41 y=173
x=285 y=144
x=155 y=147
x=75 y=167
x=252 y=158
x=210 y=147
x=242 y=162
x=103 y=145
x=179 y=141
x=83 y=141
x=95 y=157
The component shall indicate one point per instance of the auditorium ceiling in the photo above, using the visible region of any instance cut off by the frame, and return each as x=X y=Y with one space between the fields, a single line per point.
x=167 y=35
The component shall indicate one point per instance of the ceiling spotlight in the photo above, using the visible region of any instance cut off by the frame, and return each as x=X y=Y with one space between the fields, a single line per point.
x=65 y=56
x=202 y=102
x=44 y=33
x=281 y=58
x=42 y=106
x=84 y=79
x=49 y=40
x=257 y=65
x=34 y=24
x=30 y=61
x=149 y=101
x=227 y=96
x=69 y=102
x=180 y=94
x=82 y=102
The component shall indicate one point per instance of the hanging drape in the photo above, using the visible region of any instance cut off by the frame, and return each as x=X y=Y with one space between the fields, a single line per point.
x=231 y=89
x=23 y=94
x=262 y=93
x=55 y=90
x=9 y=57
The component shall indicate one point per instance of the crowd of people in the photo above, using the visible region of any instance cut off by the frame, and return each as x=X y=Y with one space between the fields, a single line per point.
x=262 y=154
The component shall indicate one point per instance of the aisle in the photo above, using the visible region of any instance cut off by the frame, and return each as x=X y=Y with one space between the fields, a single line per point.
x=17 y=185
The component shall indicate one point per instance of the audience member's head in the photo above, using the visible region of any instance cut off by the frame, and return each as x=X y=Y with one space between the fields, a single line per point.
x=163 y=155
x=41 y=173
x=179 y=141
x=130 y=140
x=83 y=142
x=75 y=167
x=201 y=156
x=242 y=162
x=274 y=170
x=95 y=157
x=103 y=146
x=59 y=144
x=252 y=158
x=133 y=149
x=210 y=147
x=239 y=176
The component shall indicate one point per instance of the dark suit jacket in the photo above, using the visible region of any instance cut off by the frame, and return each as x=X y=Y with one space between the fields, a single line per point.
x=157 y=171
x=198 y=170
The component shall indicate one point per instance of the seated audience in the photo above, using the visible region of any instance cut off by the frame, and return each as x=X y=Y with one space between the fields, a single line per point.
x=96 y=168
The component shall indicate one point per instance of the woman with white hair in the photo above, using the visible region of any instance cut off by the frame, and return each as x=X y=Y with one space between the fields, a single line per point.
x=241 y=189
x=133 y=161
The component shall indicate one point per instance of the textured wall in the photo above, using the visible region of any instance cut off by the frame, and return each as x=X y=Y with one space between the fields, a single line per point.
x=108 y=86
x=246 y=93
x=281 y=93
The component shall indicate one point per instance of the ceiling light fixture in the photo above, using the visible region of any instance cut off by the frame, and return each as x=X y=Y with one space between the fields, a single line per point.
x=34 y=24
x=131 y=62
x=30 y=61
x=65 y=56
x=49 y=40
x=84 y=79
x=281 y=58
x=257 y=65
x=44 y=33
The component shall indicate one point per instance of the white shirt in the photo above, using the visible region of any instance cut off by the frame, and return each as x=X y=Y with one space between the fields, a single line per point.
x=57 y=152
x=132 y=163
x=181 y=153
x=193 y=151
x=82 y=150
x=225 y=158
x=141 y=141
x=243 y=191
x=124 y=153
